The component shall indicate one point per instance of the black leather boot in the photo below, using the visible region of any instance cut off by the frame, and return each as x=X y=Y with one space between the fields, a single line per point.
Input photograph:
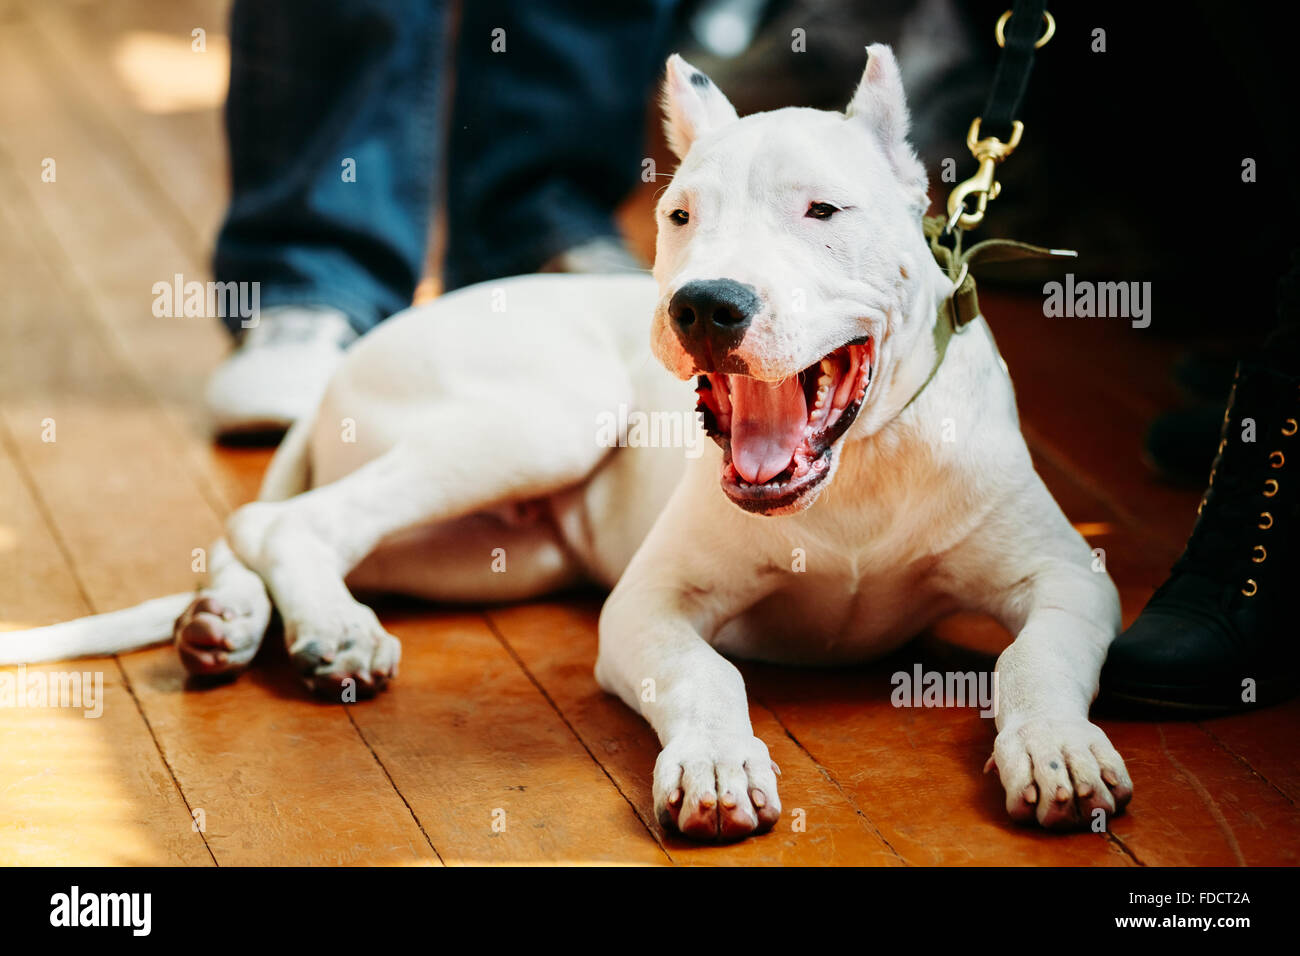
x=1223 y=633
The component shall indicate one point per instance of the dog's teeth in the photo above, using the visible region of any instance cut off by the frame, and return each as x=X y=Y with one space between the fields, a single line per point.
x=825 y=383
x=723 y=395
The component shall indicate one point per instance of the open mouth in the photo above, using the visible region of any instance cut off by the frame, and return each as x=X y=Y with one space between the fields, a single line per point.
x=777 y=437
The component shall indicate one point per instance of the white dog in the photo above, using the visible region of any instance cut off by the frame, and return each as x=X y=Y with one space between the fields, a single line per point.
x=792 y=277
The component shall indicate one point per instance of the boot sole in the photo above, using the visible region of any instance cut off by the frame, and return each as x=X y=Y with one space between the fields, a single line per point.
x=1192 y=702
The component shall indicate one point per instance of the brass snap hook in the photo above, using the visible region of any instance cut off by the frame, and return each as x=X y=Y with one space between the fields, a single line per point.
x=988 y=152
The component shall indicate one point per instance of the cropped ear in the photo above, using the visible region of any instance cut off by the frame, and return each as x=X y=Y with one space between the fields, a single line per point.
x=693 y=105
x=880 y=104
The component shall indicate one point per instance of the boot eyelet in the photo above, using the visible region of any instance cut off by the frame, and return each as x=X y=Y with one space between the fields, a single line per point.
x=1270 y=488
x=1277 y=459
x=1265 y=516
x=1289 y=428
x=1251 y=588
x=1261 y=554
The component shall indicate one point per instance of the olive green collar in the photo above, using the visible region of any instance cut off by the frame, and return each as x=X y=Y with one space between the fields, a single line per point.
x=961 y=306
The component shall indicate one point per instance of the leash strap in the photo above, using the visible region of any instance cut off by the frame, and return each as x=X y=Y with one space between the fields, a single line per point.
x=994 y=135
x=1011 y=78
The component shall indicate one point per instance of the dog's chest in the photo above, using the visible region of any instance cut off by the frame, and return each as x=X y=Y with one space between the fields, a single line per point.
x=851 y=608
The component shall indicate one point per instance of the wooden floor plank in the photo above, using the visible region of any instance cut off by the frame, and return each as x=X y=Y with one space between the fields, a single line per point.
x=283 y=780
x=1195 y=804
x=84 y=785
x=489 y=768
x=1266 y=741
x=557 y=643
x=37 y=585
x=82 y=790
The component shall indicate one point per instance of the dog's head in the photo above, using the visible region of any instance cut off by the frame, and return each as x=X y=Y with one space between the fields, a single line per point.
x=788 y=259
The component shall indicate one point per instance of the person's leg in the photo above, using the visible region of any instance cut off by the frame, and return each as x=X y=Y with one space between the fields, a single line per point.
x=547 y=127
x=334 y=120
x=1219 y=634
x=334 y=123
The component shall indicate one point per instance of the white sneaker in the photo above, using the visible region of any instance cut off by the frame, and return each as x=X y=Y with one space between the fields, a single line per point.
x=279 y=372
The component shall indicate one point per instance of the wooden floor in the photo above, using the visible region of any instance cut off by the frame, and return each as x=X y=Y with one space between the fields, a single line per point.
x=496 y=716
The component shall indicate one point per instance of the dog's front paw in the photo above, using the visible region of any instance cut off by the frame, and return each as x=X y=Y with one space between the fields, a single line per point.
x=716 y=788
x=1060 y=772
x=330 y=650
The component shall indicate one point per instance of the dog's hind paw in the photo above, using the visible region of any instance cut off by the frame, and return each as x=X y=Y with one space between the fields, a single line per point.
x=716 y=789
x=1060 y=772
x=219 y=634
x=331 y=650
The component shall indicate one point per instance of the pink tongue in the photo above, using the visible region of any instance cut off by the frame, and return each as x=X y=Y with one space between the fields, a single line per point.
x=767 y=424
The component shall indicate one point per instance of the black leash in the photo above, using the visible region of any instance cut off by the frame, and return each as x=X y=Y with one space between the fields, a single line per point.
x=995 y=134
x=1026 y=27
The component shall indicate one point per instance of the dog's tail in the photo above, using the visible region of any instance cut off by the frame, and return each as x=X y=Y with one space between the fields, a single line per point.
x=98 y=636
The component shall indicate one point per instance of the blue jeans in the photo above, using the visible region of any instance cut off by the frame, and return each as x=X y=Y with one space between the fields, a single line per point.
x=336 y=119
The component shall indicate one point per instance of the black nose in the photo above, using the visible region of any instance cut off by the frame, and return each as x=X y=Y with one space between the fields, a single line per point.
x=707 y=307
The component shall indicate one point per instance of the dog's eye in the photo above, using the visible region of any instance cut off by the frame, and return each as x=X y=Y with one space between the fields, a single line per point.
x=821 y=210
x=680 y=217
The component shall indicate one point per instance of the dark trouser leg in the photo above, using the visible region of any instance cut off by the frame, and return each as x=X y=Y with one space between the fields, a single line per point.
x=315 y=83
x=547 y=136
